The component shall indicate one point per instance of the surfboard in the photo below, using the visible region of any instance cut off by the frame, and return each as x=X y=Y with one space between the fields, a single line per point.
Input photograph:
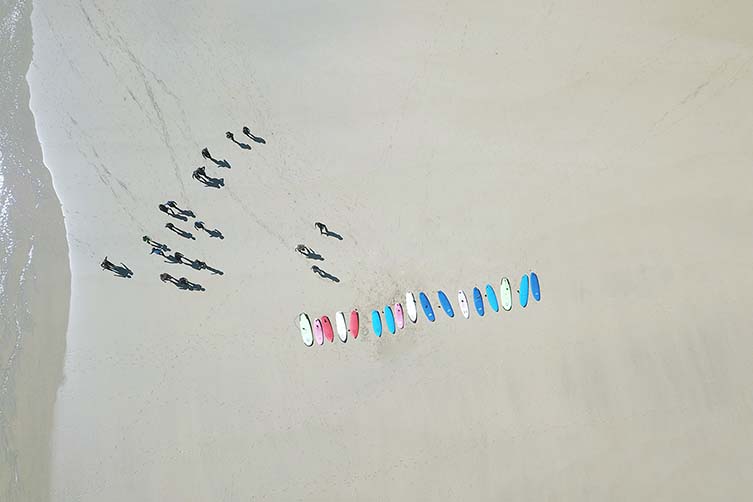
x=342 y=329
x=446 y=306
x=426 y=305
x=463 y=301
x=505 y=294
x=491 y=296
x=327 y=328
x=306 y=333
x=399 y=317
x=478 y=301
x=376 y=322
x=535 y=290
x=318 y=333
x=524 y=291
x=389 y=319
x=410 y=306
x=353 y=324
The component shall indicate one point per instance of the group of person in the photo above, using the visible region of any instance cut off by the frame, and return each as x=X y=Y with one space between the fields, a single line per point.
x=313 y=255
x=172 y=209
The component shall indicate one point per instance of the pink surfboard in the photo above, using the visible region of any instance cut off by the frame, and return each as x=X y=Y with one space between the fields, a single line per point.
x=318 y=333
x=353 y=325
x=327 y=328
x=399 y=317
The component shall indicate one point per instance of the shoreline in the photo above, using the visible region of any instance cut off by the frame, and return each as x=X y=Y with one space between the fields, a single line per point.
x=35 y=279
x=479 y=139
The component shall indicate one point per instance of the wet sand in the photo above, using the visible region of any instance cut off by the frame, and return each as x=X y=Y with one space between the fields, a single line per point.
x=604 y=146
x=34 y=277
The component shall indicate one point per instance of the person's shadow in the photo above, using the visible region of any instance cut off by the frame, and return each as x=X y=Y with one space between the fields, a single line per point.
x=244 y=146
x=214 y=182
x=312 y=255
x=323 y=274
x=257 y=139
x=177 y=216
x=215 y=233
x=122 y=270
x=330 y=233
x=309 y=253
x=325 y=231
x=221 y=163
x=182 y=233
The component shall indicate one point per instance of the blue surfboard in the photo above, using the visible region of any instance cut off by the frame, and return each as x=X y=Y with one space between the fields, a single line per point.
x=426 y=305
x=376 y=322
x=492 y=297
x=524 y=291
x=445 y=303
x=535 y=290
x=478 y=301
x=389 y=318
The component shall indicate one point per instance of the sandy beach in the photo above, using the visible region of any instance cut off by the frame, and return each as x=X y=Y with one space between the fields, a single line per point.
x=34 y=276
x=604 y=146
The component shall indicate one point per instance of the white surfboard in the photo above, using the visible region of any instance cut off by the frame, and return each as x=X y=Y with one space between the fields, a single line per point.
x=410 y=306
x=463 y=301
x=342 y=329
x=505 y=294
x=306 y=333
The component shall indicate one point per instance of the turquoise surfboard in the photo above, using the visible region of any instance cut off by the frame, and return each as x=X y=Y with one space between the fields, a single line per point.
x=478 y=301
x=376 y=322
x=445 y=303
x=492 y=297
x=426 y=305
x=535 y=290
x=524 y=291
x=389 y=318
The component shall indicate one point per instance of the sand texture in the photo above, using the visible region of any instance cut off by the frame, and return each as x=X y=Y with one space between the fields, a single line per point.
x=604 y=145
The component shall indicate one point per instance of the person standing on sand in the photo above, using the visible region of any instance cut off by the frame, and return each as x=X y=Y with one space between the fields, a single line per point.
x=200 y=174
x=230 y=136
x=154 y=243
x=171 y=212
x=107 y=265
x=185 y=212
x=182 y=233
x=205 y=153
x=322 y=227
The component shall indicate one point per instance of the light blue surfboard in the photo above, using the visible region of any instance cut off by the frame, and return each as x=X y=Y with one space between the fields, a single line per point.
x=389 y=318
x=446 y=305
x=535 y=290
x=478 y=301
x=492 y=297
x=426 y=305
x=524 y=291
x=376 y=322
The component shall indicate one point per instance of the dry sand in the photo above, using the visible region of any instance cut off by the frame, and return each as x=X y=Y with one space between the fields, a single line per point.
x=606 y=146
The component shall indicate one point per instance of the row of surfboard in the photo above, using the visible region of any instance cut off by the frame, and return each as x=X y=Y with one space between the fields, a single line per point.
x=395 y=319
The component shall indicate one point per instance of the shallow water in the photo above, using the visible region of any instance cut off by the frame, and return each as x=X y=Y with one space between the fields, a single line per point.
x=30 y=220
